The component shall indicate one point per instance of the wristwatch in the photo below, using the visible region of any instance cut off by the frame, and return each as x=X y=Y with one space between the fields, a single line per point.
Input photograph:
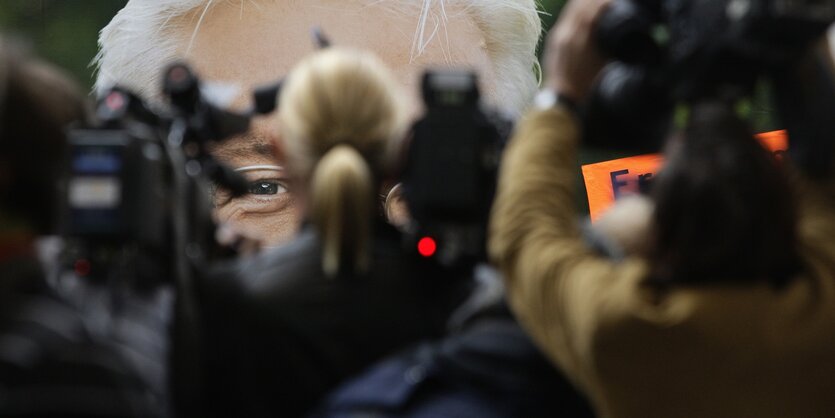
x=549 y=98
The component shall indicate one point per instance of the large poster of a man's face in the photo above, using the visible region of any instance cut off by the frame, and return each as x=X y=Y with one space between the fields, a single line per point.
x=254 y=42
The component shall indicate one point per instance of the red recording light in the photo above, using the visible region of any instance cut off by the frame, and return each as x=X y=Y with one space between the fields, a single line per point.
x=115 y=101
x=427 y=247
x=82 y=267
x=178 y=74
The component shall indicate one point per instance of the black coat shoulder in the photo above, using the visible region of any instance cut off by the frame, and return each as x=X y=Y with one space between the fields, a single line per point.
x=286 y=333
x=51 y=365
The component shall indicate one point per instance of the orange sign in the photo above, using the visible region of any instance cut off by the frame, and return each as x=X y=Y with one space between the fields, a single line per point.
x=608 y=180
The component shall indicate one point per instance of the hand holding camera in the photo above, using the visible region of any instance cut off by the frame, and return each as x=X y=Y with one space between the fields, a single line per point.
x=572 y=61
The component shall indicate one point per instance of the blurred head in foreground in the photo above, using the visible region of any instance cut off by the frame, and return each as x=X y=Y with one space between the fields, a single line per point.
x=342 y=120
x=37 y=103
x=723 y=207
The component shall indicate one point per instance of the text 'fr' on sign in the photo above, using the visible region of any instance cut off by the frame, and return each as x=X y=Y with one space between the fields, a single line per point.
x=608 y=180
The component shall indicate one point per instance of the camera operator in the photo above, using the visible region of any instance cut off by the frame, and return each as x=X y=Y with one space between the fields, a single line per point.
x=298 y=320
x=731 y=312
x=51 y=364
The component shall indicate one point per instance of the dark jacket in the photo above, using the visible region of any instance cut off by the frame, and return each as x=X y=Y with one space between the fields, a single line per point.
x=136 y=324
x=489 y=368
x=51 y=364
x=280 y=334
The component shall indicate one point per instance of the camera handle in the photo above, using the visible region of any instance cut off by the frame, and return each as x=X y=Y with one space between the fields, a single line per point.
x=184 y=378
x=196 y=123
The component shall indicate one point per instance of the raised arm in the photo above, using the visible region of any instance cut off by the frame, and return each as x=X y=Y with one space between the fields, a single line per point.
x=559 y=289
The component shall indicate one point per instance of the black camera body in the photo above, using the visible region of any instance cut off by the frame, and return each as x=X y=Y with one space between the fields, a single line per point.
x=452 y=163
x=679 y=51
x=137 y=193
x=116 y=193
x=116 y=185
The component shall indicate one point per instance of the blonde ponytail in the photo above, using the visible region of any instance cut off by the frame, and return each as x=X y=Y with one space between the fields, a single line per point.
x=342 y=208
x=341 y=118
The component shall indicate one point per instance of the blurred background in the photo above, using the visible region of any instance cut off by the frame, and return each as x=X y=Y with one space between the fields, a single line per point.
x=65 y=31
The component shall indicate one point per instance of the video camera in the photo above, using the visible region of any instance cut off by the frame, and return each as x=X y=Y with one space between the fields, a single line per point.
x=116 y=191
x=136 y=199
x=137 y=214
x=450 y=174
x=669 y=52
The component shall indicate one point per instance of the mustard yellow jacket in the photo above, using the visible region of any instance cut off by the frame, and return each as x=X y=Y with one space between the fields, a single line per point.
x=695 y=351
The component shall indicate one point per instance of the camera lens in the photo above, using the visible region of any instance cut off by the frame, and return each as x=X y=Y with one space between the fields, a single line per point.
x=625 y=32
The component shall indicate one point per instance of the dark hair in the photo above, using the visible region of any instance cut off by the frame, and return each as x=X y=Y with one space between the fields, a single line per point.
x=36 y=104
x=724 y=210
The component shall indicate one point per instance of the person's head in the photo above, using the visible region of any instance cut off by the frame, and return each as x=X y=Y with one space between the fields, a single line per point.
x=36 y=105
x=251 y=42
x=342 y=119
x=723 y=208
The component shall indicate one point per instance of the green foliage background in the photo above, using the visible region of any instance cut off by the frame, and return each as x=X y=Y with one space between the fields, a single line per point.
x=63 y=32
x=550 y=11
